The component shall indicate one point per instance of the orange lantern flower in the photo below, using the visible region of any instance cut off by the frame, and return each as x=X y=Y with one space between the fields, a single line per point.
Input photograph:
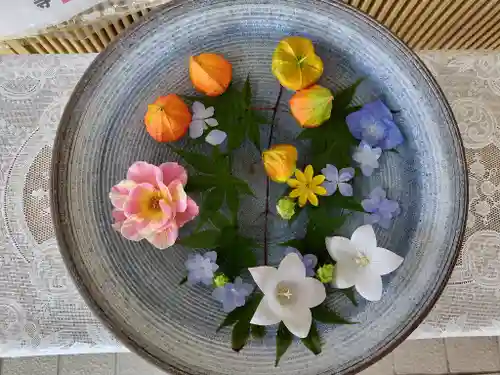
x=279 y=162
x=312 y=107
x=210 y=73
x=167 y=119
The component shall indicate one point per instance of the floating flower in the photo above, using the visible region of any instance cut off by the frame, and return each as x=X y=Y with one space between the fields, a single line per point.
x=167 y=119
x=201 y=268
x=380 y=209
x=361 y=263
x=152 y=204
x=288 y=295
x=286 y=208
x=367 y=157
x=210 y=73
x=232 y=295
x=279 y=162
x=311 y=107
x=306 y=186
x=336 y=179
x=202 y=119
x=325 y=273
x=220 y=280
x=310 y=260
x=295 y=64
x=374 y=124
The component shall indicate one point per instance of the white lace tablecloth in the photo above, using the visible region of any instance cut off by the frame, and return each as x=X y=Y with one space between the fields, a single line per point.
x=41 y=311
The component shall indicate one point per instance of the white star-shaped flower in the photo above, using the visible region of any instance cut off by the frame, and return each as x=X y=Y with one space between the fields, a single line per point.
x=367 y=157
x=202 y=120
x=288 y=295
x=361 y=263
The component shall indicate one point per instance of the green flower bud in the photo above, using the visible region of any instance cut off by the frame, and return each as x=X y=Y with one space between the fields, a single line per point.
x=286 y=208
x=325 y=273
x=220 y=280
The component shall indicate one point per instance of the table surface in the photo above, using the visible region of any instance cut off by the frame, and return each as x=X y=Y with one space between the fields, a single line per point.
x=41 y=311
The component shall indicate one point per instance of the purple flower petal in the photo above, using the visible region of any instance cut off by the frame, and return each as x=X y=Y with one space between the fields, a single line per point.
x=367 y=170
x=393 y=136
x=378 y=193
x=331 y=173
x=353 y=121
x=345 y=189
x=374 y=124
x=330 y=187
x=212 y=255
x=310 y=260
x=369 y=205
x=346 y=174
x=378 y=109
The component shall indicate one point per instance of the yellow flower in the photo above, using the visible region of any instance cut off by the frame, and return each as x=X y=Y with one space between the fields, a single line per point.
x=286 y=208
x=279 y=162
x=306 y=186
x=295 y=64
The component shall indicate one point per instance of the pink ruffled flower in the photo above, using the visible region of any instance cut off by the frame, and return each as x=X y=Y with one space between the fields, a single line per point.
x=152 y=204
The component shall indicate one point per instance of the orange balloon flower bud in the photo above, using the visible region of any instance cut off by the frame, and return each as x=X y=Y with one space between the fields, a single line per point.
x=210 y=73
x=295 y=64
x=279 y=162
x=167 y=119
x=312 y=107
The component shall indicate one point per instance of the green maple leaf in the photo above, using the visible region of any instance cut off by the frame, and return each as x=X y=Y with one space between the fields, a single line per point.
x=235 y=115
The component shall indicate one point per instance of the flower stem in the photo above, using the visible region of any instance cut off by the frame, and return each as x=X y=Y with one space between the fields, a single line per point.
x=266 y=212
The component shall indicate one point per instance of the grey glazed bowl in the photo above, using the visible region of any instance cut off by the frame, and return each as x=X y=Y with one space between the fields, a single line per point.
x=134 y=288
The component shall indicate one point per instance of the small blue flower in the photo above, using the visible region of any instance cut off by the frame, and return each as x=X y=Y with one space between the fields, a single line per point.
x=232 y=295
x=380 y=209
x=338 y=179
x=374 y=124
x=367 y=157
x=310 y=260
x=201 y=268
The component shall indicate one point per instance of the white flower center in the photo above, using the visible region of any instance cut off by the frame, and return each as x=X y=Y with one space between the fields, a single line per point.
x=362 y=260
x=286 y=293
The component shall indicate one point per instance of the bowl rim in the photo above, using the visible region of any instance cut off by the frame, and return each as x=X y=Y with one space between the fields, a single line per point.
x=85 y=290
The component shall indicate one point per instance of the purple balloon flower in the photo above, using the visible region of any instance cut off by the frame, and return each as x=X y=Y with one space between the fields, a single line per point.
x=310 y=260
x=380 y=209
x=338 y=179
x=232 y=295
x=374 y=124
x=201 y=268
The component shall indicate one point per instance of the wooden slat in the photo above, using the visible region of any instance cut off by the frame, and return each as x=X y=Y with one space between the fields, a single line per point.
x=476 y=29
x=76 y=44
x=454 y=23
x=17 y=47
x=469 y=26
x=466 y=20
x=126 y=21
x=55 y=44
x=45 y=45
x=365 y=5
x=86 y=41
x=424 y=21
x=489 y=33
x=424 y=36
x=37 y=47
x=390 y=12
x=409 y=13
x=375 y=8
x=66 y=44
